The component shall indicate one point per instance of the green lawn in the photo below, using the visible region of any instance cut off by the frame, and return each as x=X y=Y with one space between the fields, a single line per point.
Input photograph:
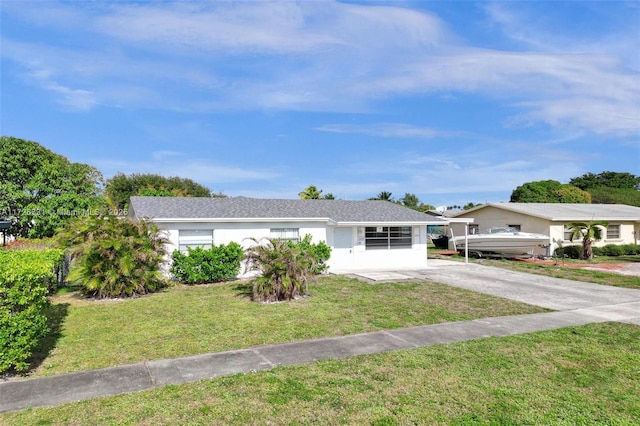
x=586 y=375
x=188 y=320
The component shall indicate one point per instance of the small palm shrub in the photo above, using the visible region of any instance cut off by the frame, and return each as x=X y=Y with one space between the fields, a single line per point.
x=588 y=232
x=284 y=269
x=115 y=257
x=219 y=263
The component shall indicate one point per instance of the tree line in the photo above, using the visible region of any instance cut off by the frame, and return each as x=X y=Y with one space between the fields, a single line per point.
x=41 y=190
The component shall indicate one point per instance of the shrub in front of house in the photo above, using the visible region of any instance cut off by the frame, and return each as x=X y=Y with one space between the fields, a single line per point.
x=115 y=257
x=320 y=252
x=571 y=252
x=199 y=265
x=631 y=249
x=614 y=250
x=25 y=278
x=284 y=267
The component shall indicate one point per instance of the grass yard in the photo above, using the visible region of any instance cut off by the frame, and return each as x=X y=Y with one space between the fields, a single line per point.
x=574 y=376
x=187 y=320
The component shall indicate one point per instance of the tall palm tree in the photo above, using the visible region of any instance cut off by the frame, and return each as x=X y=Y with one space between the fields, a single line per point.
x=589 y=232
x=383 y=196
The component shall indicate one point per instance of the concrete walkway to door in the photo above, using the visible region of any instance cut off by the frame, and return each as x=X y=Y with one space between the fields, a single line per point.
x=575 y=303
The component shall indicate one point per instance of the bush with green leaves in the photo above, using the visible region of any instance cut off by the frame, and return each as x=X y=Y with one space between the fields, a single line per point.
x=631 y=249
x=25 y=278
x=617 y=250
x=571 y=252
x=320 y=252
x=199 y=265
x=115 y=257
x=284 y=269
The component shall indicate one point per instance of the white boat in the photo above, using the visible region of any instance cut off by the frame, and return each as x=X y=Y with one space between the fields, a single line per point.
x=504 y=241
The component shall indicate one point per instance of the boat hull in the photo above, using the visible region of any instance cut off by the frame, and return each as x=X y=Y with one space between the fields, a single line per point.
x=501 y=244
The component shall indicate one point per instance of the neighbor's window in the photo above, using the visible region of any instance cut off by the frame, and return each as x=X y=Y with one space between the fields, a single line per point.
x=387 y=237
x=286 y=234
x=514 y=227
x=613 y=232
x=195 y=238
x=474 y=228
x=567 y=234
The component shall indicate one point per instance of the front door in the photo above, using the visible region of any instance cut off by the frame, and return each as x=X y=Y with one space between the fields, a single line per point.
x=342 y=253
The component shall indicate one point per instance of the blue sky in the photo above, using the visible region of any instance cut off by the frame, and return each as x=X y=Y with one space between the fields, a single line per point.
x=453 y=101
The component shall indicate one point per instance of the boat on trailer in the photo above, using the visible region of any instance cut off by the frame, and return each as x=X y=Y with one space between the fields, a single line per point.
x=501 y=241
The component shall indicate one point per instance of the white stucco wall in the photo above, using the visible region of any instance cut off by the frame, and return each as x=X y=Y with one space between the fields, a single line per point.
x=355 y=255
x=628 y=233
x=348 y=251
x=224 y=232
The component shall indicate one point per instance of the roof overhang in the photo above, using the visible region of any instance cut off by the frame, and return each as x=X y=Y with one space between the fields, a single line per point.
x=241 y=219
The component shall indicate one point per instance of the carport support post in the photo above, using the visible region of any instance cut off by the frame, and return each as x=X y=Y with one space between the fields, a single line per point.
x=466 y=242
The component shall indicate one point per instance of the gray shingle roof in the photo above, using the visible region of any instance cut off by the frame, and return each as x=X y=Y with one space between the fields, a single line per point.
x=568 y=212
x=345 y=211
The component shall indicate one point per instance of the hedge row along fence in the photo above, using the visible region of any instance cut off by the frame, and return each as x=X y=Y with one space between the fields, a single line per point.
x=25 y=280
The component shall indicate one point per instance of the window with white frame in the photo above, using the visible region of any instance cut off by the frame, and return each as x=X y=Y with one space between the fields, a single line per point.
x=387 y=237
x=567 y=234
x=474 y=228
x=194 y=238
x=613 y=232
x=286 y=234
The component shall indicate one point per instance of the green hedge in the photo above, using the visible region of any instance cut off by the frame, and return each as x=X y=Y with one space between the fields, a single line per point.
x=219 y=263
x=617 y=250
x=25 y=279
x=573 y=252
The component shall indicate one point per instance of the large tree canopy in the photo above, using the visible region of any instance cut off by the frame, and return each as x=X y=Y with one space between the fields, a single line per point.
x=40 y=190
x=607 y=179
x=549 y=191
x=121 y=187
x=610 y=187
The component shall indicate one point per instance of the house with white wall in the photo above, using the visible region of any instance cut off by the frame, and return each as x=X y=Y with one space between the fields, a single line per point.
x=363 y=235
x=552 y=219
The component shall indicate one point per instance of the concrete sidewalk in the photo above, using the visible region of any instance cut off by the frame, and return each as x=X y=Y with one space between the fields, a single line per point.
x=578 y=304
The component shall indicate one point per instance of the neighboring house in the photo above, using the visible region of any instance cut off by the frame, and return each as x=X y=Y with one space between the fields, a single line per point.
x=361 y=234
x=552 y=219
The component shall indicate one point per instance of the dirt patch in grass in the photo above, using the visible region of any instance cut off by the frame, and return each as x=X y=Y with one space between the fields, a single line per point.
x=624 y=268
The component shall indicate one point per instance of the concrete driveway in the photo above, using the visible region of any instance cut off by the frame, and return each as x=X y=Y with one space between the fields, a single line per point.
x=547 y=292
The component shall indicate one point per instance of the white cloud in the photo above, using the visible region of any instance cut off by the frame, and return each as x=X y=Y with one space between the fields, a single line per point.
x=322 y=56
x=384 y=130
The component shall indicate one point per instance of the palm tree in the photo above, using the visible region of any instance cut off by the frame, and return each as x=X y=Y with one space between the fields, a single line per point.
x=383 y=196
x=589 y=232
x=283 y=268
x=115 y=257
x=310 y=193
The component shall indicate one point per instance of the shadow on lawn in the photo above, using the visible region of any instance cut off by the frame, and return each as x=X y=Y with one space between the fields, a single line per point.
x=244 y=289
x=55 y=313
